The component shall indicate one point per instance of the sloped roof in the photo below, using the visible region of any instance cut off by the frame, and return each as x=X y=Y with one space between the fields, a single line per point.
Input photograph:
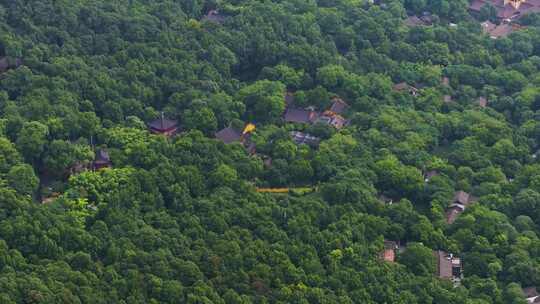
x=444 y=265
x=413 y=21
x=299 y=115
x=289 y=98
x=228 y=135
x=333 y=119
x=476 y=5
x=163 y=124
x=304 y=138
x=103 y=156
x=400 y=86
x=4 y=64
x=452 y=214
x=530 y=292
x=501 y=30
x=487 y=26
x=338 y=106
x=461 y=197
x=403 y=86
x=7 y=63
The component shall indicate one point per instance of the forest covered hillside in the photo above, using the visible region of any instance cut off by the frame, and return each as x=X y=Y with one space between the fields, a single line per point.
x=269 y=151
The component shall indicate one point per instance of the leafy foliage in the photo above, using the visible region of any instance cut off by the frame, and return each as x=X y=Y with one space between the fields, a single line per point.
x=179 y=220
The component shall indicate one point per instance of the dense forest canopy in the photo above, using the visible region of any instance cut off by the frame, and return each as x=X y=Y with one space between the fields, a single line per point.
x=341 y=125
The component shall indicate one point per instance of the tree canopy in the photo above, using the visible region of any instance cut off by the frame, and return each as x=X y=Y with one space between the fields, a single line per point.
x=394 y=127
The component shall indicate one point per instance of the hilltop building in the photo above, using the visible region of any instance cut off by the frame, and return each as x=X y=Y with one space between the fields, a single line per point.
x=164 y=126
x=9 y=63
x=531 y=295
x=507 y=10
x=448 y=266
x=460 y=202
x=338 y=106
x=405 y=87
x=389 y=252
x=102 y=160
x=304 y=138
x=230 y=135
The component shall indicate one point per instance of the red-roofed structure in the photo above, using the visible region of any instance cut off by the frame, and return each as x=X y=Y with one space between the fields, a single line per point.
x=507 y=10
x=164 y=126
x=448 y=266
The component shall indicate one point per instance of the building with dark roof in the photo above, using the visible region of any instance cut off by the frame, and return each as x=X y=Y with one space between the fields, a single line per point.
x=405 y=87
x=461 y=197
x=413 y=21
x=164 y=126
x=460 y=202
x=531 y=295
x=8 y=63
x=503 y=30
x=453 y=212
x=332 y=119
x=304 y=138
x=289 y=99
x=4 y=64
x=448 y=266
x=338 y=105
x=487 y=26
x=495 y=31
x=229 y=135
x=102 y=160
x=300 y=115
x=75 y=169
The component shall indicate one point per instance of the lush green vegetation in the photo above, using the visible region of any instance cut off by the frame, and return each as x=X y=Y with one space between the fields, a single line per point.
x=179 y=220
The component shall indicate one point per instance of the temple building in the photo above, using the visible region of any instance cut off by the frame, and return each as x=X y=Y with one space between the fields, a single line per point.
x=230 y=135
x=9 y=63
x=304 y=138
x=507 y=10
x=102 y=160
x=389 y=252
x=164 y=126
x=459 y=203
x=405 y=87
x=448 y=266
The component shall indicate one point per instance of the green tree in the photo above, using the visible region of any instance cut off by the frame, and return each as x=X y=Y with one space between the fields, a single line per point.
x=61 y=155
x=32 y=139
x=23 y=179
x=223 y=175
x=202 y=119
x=264 y=100
x=419 y=259
x=9 y=156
